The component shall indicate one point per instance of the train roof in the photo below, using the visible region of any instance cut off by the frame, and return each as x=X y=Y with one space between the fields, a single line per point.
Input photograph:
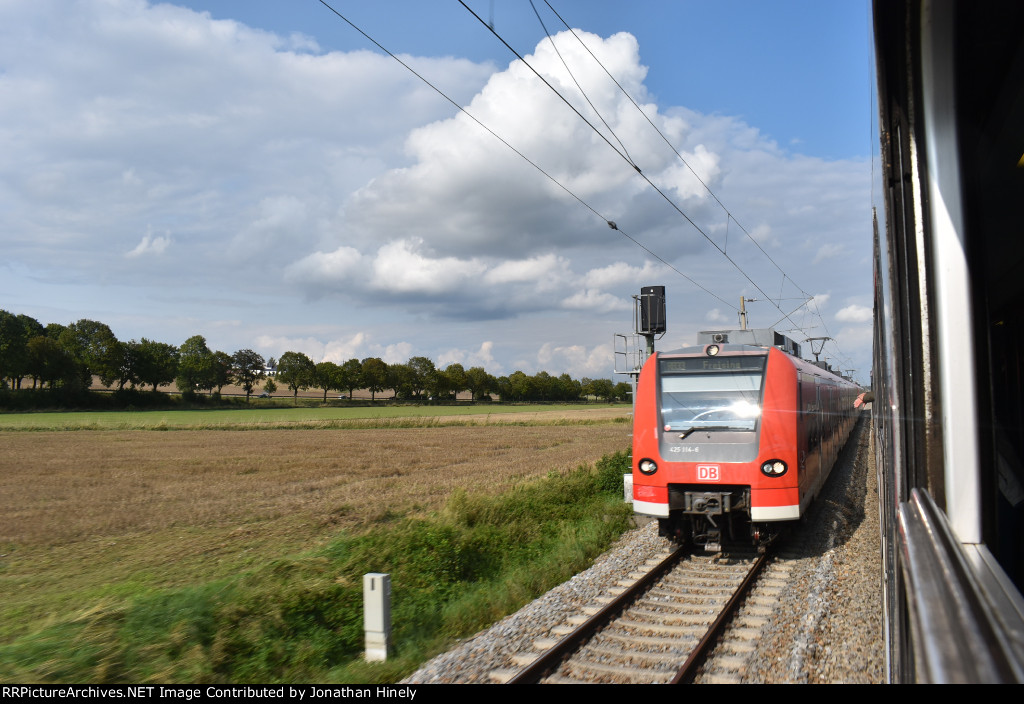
x=759 y=337
x=804 y=365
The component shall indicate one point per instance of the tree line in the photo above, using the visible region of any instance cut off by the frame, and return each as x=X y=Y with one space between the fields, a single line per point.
x=69 y=356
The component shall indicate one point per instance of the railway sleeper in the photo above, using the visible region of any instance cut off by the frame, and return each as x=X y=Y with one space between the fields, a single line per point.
x=676 y=619
x=666 y=643
x=665 y=629
x=608 y=651
x=621 y=672
x=666 y=607
x=706 y=592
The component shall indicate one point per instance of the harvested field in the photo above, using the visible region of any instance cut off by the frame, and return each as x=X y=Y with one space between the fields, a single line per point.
x=314 y=418
x=88 y=513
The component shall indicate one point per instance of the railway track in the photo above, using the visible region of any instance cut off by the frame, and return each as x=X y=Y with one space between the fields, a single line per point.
x=659 y=629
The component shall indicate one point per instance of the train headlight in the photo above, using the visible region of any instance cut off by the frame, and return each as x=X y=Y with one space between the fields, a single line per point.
x=648 y=467
x=773 y=468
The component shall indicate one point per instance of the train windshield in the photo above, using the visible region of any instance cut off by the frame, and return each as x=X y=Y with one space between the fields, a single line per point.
x=711 y=394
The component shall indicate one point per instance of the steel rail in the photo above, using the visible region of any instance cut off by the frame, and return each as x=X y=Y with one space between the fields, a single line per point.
x=553 y=657
x=688 y=671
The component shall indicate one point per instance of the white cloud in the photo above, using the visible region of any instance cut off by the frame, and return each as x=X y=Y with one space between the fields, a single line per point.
x=687 y=181
x=596 y=362
x=855 y=314
x=595 y=300
x=716 y=316
x=340 y=351
x=621 y=273
x=535 y=270
x=827 y=251
x=402 y=267
x=275 y=346
x=482 y=357
x=398 y=353
x=308 y=187
x=332 y=269
x=160 y=114
x=150 y=245
x=279 y=220
x=468 y=192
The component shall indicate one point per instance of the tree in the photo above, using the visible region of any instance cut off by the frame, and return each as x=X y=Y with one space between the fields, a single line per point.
x=328 y=377
x=622 y=391
x=602 y=388
x=423 y=371
x=222 y=364
x=13 y=349
x=400 y=379
x=375 y=375
x=520 y=387
x=95 y=349
x=296 y=371
x=48 y=361
x=457 y=379
x=479 y=382
x=439 y=385
x=125 y=365
x=568 y=388
x=350 y=376
x=195 y=366
x=544 y=386
x=247 y=369
x=157 y=362
x=503 y=387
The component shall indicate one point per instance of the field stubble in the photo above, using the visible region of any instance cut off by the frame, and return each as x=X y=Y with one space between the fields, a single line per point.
x=92 y=513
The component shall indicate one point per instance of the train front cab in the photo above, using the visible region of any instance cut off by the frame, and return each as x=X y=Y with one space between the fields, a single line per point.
x=731 y=441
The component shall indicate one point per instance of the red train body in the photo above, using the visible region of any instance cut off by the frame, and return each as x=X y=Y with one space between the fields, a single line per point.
x=731 y=437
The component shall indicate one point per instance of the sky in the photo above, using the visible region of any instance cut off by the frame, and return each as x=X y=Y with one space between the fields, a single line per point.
x=262 y=174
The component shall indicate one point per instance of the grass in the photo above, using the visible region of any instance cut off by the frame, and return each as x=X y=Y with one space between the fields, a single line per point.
x=257 y=418
x=298 y=619
x=210 y=555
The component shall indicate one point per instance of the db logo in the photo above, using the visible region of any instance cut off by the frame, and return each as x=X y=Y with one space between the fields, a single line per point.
x=707 y=473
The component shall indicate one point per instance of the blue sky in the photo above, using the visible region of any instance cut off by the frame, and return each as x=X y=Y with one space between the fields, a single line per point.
x=258 y=173
x=796 y=70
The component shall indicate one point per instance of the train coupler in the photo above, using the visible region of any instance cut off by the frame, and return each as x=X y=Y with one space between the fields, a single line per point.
x=762 y=537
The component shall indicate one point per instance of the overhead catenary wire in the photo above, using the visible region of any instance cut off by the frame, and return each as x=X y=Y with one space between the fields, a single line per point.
x=609 y=222
x=622 y=152
x=568 y=70
x=667 y=141
x=526 y=63
x=638 y=170
x=729 y=215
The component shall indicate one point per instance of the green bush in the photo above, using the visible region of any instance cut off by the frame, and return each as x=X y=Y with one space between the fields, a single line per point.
x=610 y=469
x=299 y=619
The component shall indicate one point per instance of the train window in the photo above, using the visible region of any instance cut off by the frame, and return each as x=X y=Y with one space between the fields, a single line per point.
x=712 y=401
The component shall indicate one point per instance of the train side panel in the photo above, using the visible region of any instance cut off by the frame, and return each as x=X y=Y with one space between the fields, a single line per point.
x=948 y=377
x=778 y=498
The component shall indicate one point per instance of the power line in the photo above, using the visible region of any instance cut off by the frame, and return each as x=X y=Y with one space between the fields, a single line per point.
x=807 y=297
x=501 y=139
x=582 y=92
x=666 y=140
x=637 y=168
x=623 y=154
x=545 y=81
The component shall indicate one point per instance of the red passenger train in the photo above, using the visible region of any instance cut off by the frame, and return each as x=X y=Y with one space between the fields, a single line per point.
x=734 y=437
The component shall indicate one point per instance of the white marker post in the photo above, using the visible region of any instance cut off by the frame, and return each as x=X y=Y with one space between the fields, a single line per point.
x=377 y=615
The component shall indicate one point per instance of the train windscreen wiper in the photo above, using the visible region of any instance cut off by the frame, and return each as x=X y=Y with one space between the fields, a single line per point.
x=718 y=426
